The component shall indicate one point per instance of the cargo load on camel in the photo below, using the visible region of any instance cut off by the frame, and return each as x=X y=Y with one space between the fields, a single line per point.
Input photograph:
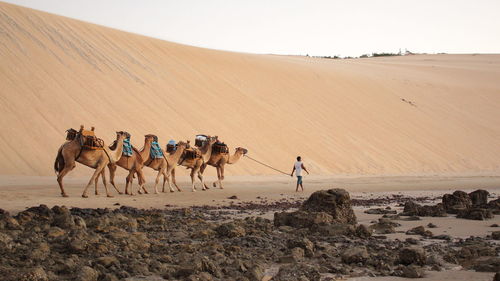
x=156 y=151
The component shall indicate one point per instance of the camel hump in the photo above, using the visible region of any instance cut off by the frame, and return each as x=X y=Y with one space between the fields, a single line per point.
x=219 y=147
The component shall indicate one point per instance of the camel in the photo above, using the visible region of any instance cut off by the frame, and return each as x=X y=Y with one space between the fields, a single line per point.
x=73 y=151
x=219 y=160
x=166 y=166
x=195 y=164
x=134 y=165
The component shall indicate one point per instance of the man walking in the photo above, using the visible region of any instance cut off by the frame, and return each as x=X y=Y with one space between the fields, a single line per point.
x=297 y=168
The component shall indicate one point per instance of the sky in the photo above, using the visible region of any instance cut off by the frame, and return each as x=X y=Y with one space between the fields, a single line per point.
x=313 y=27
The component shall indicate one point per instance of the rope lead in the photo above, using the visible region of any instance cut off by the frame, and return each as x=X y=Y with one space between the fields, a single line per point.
x=266 y=165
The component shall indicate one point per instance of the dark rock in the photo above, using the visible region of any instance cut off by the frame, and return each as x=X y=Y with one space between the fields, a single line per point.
x=487 y=264
x=495 y=235
x=303 y=243
x=494 y=225
x=419 y=230
x=380 y=211
x=384 y=226
x=233 y=197
x=301 y=219
x=413 y=209
x=412 y=271
x=336 y=202
x=458 y=201
x=230 y=230
x=335 y=229
x=362 y=231
x=355 y=255
x=431 y=225
x=87 y=274
x=36 y=274
x=412 y=255
x=297 y=255
x=475 y=214
x=297 y=272
x=479 y=197
x=442 y=237
x=496 y=277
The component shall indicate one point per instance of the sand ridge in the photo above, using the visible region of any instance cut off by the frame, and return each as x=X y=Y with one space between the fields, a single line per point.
x=342 y=116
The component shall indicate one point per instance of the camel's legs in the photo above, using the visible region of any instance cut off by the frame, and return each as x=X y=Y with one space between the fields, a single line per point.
x=221 y=178
x=173 y=179
x=142 y=181
x=166 y=178
x=157 y=180
x=67 y=168
x=193 y=187
x=200 y=176
x=97 y=172
x=105 y=182
x=112 y=170
x=129 y=183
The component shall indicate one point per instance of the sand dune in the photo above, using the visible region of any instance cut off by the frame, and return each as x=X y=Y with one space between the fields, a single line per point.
x=342 y=116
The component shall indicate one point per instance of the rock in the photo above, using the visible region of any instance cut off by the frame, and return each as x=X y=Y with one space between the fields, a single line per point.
x=6 y=242
x=335 y=229
x=496 y=277
x=233 y=197
x=412 y=271
x=419 y=230
x=355 y=255
x=458 y=201
x=475 y=214
x=442 y=237
x=384 y=226
x=413 y=209
x=487 y=264
x=412 y=255
x=431 y=225
x=36 y=274
x=8 y=222
x=55 y=232
x=303 y=243
x=297 y=255
x=380 y=211
x=62 y=217
x=230 y=230
x=494 y=225
x=335 y=202
x=495 y=235
x=87 y=274
x=479 y=197
x=107 y=261
x=362 y=231
x=302 y=219
x=40 y=252
x=297 y=272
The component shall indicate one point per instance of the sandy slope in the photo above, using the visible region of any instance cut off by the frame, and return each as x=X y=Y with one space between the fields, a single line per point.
x=342 y=116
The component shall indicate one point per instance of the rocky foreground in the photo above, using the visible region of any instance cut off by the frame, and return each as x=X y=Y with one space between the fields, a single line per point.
x=319 y=240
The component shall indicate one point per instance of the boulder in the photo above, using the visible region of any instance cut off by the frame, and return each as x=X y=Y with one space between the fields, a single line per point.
x=297 y=272
x=459 y=200
x=87 y=274
x=302 y=219
x=479 y=197
x=36 y=274
x=230 y=230
x=412 y=255
x=384 y=226
x=362 y=231
x=355 y=255
x=419 y=230
x=475 y=214
x=413 y=209
x=496 y=277
x=303 y=243
x=335 y=202
x=380 y=211
x=487 y=264
x=412 y=271
x=495 y=235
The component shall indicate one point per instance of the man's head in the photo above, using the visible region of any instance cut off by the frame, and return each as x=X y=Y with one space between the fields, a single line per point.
x=299 y=158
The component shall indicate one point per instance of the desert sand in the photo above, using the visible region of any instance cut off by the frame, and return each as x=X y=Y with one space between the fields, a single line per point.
x=409 y=115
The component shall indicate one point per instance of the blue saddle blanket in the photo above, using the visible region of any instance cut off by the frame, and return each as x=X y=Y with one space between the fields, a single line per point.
x=127 y=147
x=156 y=150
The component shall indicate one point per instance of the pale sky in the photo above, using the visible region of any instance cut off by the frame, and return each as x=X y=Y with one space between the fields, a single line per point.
x=314 y=27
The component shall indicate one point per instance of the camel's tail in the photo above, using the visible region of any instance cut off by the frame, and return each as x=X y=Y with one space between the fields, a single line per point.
x=59 y=162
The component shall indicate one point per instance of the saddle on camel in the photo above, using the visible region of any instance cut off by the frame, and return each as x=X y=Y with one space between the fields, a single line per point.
x=219 y=148
x=88 y=140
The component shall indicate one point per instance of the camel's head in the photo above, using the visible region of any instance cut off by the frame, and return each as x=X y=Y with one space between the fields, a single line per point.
x=151 y=138
x=212 y=140
x=183 y=144
x=122 y=134
x=242 y=150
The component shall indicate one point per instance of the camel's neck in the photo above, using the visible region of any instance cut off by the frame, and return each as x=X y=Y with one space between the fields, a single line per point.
x=206 y=152
x=234 y=158
x=177 y=154
x=146 y=150
x=116 y=154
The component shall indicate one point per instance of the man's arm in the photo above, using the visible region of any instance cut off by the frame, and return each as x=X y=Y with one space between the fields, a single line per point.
x=292 y=171
x=303 y=167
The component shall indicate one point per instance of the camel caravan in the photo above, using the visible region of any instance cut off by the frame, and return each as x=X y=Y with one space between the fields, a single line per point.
x=84 y=147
